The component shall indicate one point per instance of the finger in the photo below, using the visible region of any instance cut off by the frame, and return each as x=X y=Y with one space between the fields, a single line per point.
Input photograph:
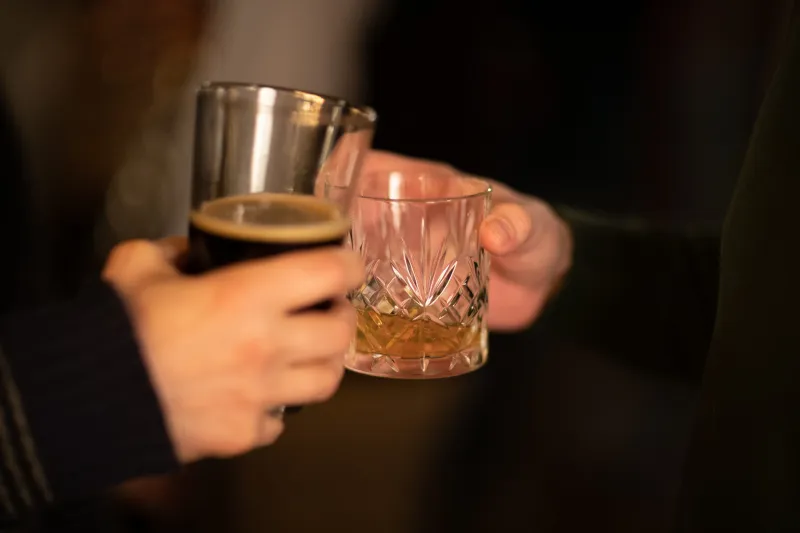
x=314 y=337
x=134 y=260
x=299 y=279
x=270 y=428
x=309 y=384
x=381 y=161
x=507 y=228
x=173 y=248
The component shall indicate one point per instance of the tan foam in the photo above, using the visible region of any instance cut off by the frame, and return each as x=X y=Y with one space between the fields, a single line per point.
x=334 y=226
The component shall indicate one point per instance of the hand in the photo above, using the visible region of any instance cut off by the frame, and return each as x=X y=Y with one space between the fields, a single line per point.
x=224 y=348
x=531 y=251
x=531 y=247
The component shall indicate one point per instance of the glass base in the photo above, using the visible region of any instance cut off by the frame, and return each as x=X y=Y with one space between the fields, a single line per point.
x=384 y=366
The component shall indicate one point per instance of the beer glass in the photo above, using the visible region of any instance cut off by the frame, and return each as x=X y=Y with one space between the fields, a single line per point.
x=263 y=157
x=421 y=313
x=260 y=154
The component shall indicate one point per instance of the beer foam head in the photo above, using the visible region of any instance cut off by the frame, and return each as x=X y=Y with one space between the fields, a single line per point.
x=273 y=217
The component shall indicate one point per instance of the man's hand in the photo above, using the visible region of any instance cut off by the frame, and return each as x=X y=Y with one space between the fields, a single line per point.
x=531 y=247
x=531 y=251
x=225 y=348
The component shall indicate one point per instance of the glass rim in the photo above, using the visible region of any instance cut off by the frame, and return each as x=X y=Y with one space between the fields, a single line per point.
x=486 y=191
x=209 y=86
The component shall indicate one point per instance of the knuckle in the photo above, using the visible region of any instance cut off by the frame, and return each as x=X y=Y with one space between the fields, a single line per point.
x=125 y=261
x=229 y=292
x=253 y=354
x=239 y=437
x=518 y=217
x=327 y=383
x=235 y=446
x=271 y=430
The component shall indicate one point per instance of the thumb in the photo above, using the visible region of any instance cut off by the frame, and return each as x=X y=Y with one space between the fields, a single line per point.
x=173 y=248
x=507 y=228
x=133 y=262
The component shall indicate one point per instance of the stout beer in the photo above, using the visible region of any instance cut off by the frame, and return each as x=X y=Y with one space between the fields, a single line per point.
x=254 y=226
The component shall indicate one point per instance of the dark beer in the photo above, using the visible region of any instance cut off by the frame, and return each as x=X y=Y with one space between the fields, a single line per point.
x=255 y=226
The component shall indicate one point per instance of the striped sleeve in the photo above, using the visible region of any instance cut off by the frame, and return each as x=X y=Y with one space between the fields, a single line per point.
x=78 y=412
x=23 y=485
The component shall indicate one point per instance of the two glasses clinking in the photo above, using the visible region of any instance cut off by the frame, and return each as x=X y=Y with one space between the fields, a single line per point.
x=278 y=170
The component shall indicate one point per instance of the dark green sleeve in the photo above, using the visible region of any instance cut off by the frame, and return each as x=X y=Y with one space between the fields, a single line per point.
x=637 y=292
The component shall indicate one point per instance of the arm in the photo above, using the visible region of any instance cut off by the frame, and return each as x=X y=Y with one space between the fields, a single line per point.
x=644 y=294
x=632 y=290
x=78 y=413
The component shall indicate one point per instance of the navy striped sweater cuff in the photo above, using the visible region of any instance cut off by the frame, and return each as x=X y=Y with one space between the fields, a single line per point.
x=78 y=407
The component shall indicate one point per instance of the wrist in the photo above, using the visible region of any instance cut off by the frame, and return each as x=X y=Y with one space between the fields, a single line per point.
x=563 y=264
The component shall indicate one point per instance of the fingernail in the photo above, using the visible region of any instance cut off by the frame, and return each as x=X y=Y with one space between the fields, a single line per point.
x=501 y=231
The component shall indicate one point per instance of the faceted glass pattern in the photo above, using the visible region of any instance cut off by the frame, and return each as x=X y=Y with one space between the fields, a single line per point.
x=422 y=309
